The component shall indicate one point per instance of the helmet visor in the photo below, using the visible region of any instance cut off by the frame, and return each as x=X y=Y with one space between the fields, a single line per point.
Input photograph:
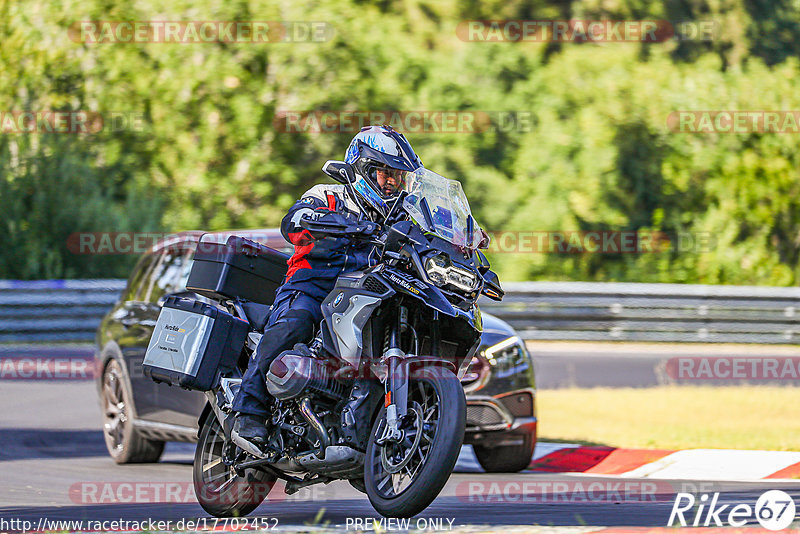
x=388 y=180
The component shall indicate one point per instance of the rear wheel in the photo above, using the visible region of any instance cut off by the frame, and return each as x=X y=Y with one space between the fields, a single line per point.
x=403 y=478
x=220 y=490
x=506 y=458
x=124 y=443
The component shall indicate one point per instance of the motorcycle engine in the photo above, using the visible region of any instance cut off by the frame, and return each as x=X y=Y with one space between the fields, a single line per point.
x=292 y=374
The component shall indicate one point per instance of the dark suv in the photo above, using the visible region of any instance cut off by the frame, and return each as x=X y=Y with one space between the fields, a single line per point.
x=140 y=415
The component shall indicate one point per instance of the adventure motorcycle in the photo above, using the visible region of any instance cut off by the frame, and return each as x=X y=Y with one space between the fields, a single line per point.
x=374 y=398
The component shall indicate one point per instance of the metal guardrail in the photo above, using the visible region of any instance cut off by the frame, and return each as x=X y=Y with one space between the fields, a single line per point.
x=54 y=310
x=71 y=310
x=650 y=312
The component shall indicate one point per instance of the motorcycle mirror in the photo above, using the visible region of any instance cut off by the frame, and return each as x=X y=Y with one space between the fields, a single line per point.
x=340 y=171
x=485 y=240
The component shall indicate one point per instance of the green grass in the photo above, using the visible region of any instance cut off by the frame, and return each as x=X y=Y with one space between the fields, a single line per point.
x=673 y=417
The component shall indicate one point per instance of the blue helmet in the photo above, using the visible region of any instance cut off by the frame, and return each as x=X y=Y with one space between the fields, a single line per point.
x=381 y=157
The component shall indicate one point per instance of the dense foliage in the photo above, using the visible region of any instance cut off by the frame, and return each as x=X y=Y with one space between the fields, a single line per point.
x=598 y=154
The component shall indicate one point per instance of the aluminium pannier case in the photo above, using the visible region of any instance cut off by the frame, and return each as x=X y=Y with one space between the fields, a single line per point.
x=240 y=269
x=193 y=344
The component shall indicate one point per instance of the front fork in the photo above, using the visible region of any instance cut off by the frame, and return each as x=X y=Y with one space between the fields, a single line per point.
x=396 y=383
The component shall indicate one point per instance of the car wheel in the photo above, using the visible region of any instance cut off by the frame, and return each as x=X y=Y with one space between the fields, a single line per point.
x=124 y=443
x=506 y=458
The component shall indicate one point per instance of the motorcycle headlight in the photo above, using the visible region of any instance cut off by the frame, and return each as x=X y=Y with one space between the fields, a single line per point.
x=442 y=272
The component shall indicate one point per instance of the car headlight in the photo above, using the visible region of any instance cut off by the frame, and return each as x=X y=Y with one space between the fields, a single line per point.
x=441 y=271
x=500 y=360
x=508 y=357
x=502 y=349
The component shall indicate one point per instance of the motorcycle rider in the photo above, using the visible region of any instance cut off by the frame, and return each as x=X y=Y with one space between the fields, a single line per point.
x=380 y=157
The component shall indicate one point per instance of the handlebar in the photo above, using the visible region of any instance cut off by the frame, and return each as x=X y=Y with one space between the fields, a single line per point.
x=336 y=225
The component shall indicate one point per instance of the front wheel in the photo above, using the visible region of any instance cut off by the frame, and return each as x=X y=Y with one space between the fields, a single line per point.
x=403 y=478
x=219 y=489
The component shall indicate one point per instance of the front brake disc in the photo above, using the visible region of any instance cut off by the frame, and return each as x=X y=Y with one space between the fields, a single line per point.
x=387 y=461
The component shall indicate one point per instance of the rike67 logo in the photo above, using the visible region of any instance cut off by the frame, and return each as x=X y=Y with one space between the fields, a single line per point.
x=774 y=510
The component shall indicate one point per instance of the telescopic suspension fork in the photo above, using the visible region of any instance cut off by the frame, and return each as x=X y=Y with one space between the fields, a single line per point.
x=396 y=384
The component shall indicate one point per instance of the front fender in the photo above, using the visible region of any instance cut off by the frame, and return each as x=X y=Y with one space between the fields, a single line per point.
x=399 y=383
x=417 y=362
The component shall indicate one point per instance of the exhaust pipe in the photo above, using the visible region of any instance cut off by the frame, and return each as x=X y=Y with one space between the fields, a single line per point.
x=316 y=424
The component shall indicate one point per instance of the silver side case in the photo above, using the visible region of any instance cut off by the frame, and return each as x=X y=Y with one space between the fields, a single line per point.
x=179 y=338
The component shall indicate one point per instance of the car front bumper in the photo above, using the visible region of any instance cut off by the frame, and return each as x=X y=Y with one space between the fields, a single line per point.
x=502 y=419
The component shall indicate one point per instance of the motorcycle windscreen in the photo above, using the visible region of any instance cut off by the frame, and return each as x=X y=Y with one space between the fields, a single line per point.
x=440 y=206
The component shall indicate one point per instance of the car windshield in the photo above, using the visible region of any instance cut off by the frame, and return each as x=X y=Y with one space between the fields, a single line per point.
x=448 y=214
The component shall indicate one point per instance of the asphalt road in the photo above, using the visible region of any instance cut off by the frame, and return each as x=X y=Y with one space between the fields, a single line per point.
x=53 y=465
